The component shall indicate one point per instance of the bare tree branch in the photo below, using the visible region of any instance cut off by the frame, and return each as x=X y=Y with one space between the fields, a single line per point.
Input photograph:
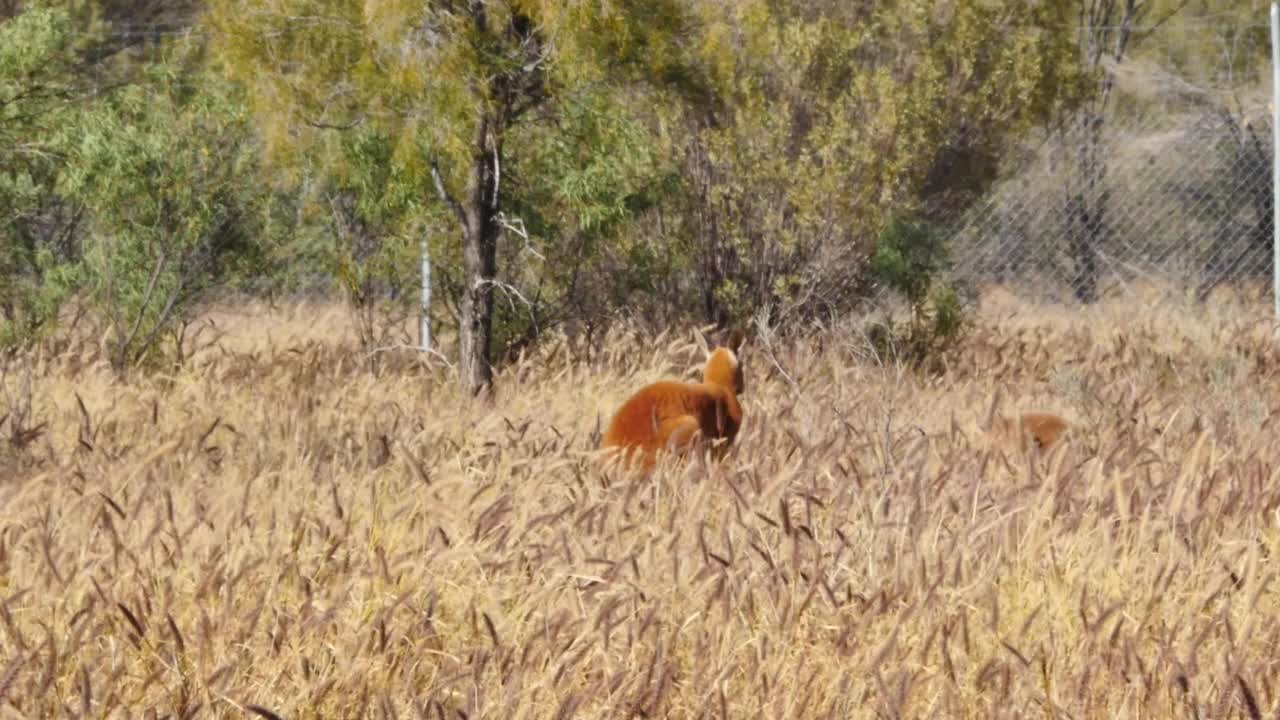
x=516 y=225
x=146 y=300
x=415 y=348
x=320 y=125
x=445 y=196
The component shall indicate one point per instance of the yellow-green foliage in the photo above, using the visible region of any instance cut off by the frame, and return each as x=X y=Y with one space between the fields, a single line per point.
x=274 y=526
x=482 y=107
x=342 y=103
x=835 y=116
x=36 y=76
x=418 y=67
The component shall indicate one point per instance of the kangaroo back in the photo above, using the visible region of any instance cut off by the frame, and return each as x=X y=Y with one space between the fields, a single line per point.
x=1041 y=430
x=1044 y=428
x=676 y=416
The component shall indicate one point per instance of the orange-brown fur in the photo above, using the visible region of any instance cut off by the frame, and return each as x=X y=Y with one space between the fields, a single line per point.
x=1044 y=430
x=677 y=415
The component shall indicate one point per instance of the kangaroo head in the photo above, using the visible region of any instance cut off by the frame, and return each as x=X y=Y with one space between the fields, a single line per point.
x=723 y=369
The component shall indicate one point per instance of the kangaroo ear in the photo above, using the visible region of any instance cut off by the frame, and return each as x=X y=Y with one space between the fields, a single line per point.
x=737 y=337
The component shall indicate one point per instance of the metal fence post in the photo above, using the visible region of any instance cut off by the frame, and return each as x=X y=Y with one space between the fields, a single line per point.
x=1275 y=154
x=424 y=327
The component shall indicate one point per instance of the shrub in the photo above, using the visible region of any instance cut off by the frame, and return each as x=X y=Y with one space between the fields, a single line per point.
x=163 y=168
x=909 y=258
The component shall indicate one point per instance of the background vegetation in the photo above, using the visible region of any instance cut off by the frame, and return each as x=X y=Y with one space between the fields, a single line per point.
x=561 y=165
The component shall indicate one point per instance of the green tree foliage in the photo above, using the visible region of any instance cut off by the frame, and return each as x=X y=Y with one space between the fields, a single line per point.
x=100 y=194
x=365 y=222
x=161 y=168
x=575 y=194
x=562 y=160
x=836 y=117
x=38 y=229
x=318 y=90
x=454 y=83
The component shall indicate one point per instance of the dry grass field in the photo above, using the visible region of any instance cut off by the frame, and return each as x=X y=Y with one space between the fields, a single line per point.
x=274 y=529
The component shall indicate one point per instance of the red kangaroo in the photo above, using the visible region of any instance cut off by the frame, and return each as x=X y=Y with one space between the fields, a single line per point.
x=675 y=415
x=1043 y=429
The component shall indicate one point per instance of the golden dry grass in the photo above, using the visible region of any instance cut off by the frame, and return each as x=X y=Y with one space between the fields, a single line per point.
x=274 y=526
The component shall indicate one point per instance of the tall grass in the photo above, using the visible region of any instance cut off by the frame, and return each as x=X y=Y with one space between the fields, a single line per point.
x=274 y=529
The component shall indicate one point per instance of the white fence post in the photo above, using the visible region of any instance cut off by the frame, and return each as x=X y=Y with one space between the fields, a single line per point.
x=424 y=326
x=1275 y=155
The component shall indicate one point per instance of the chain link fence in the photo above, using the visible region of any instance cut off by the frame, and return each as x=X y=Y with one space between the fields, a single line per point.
x=1167 y=186
x=1093 y=209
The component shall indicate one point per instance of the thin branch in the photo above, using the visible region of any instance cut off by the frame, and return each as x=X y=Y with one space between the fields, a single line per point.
x=445 y=196
x=146 y=299
x=36 y=92
x=161 y=321
x=765 y=334
x=319 y=125
x=505 y=287
x=1131 y=12
x=497 y=170
x=35 y=151
x=510 y=290
x=199 y=262
x=539 y=61
x=516 y=225
x=416 y=348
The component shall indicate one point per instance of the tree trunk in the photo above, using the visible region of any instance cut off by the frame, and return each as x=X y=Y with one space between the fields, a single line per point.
x=706 y=226
x=1084 y=238
x=510 y=93
x=1087 y=211
x=479 y=262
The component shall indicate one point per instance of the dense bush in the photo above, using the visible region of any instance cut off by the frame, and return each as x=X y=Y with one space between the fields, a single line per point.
x=39 y=229
x=910 y=259
x=161 y=169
